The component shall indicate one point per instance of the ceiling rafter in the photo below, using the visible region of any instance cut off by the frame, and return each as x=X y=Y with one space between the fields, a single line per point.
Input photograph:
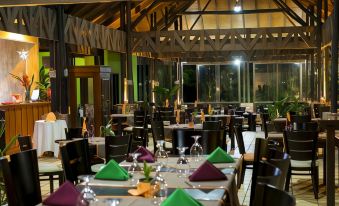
x=144 y=12
x=281 y=4
x=304 y=9
x=203 y=10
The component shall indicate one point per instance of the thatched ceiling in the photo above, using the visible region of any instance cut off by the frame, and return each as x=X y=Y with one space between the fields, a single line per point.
x=168 y=11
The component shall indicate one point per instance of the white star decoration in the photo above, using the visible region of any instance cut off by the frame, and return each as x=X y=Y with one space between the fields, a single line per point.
x=23 y=54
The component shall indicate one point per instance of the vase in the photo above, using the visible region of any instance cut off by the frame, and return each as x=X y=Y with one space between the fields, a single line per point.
x=27 y=96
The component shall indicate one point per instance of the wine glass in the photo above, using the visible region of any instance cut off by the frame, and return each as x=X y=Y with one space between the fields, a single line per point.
x=196 y=150
x=159 y=187
x=87 y=195
x=182 y=163
x=134 y=168
x=161 y=155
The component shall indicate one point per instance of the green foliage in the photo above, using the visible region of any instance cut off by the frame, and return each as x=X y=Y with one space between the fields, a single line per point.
x=147 y=172
x=282 y=107
x=44 y=83
x=163 y=93
x=107 y=130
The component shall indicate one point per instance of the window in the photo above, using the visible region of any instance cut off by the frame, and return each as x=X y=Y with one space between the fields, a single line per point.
x=189 y=83
x=229 y=76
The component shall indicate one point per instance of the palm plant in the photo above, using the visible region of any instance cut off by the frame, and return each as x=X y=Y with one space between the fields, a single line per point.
x=163 y=93
x=43 y=84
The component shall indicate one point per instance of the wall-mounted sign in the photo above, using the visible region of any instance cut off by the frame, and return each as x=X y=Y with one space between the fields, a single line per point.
x=52 y=74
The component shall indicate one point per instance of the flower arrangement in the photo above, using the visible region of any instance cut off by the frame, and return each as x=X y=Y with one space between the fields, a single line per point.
x=26 y=83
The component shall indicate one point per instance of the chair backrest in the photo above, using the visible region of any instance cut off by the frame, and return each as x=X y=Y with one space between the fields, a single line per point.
x=265 y=150
x=157 y=132
x=211 y=139
x=211 y=125
x=139 y=138
x=116 y=147
x=75 y=159
x=267 y=195
x=72 y=133
x=21 y=178
x=183 y=138
x=25 y=143
x=267 y=173
x=240 y=139
x=301 y=145
x=139 y=118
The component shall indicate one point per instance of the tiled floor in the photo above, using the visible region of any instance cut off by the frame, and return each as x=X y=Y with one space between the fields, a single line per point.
x=301 y=186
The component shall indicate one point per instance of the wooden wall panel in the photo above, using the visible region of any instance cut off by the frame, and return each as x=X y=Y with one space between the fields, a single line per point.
x=20 y=119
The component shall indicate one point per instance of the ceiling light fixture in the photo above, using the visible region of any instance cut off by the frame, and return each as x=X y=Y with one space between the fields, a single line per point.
x=237 y=6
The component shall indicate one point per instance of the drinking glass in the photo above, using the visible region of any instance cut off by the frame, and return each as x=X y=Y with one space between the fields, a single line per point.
x=87 y=195
x=196 y=150
x=159 y=187
x=161 y=155
x=134 y=168
x=182 y=163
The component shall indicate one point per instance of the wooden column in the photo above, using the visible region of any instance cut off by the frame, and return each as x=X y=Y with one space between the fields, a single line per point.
x=312 y=76
x=123 y=55
x=61 y=90
x=129 y=54
x=318 y=42
x=330 y=126
x=334 y=63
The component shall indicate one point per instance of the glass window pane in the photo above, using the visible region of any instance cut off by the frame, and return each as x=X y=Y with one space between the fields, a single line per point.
x=288 y=80
x=265 y=82
x=189 y=83
x=229 y=83
x=207 y=83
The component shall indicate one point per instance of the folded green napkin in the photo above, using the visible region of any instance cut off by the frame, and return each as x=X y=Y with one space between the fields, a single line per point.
x=220 y=156
x=180 y=197
x=112 y=171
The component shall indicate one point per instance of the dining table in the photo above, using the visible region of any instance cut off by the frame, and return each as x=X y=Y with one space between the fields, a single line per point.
x=214 y=192
x=45 y=133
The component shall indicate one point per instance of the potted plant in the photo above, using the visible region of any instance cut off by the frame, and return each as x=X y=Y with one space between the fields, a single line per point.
x=163 y=94
x=44 y=84
x=26 y=83
x=145 y=183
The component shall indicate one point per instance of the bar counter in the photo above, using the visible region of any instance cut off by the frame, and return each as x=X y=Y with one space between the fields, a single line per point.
x=20 y=119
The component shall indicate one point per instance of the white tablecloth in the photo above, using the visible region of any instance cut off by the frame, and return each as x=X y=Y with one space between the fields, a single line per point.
x=45 y=133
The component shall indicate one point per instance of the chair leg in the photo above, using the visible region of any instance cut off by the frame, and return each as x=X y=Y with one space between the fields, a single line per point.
x=51 y=186
x=315 y=181
x=288 y=180
x=243 y=170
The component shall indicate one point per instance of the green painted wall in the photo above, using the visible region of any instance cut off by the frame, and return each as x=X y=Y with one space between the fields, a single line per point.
x=113 y=60
x=41 y=55
x=85 y=61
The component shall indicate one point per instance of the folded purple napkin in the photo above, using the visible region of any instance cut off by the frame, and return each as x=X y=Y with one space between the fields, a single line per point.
x=65 y=195
x=206 y=172
x=146 y=155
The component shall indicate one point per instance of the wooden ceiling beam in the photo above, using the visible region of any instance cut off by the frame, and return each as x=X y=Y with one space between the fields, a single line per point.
x=11 y=3
x=304 y=9
x=281 y=4
x=230 y=12
x=144 y=12
x=174 y=15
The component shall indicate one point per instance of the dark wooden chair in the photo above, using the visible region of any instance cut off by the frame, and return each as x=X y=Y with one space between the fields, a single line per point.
x=45 y=169
x=248 y=158
x=211 y=139
x=75 y=159
x=117 y=147
x=139 y=138
x=139 y=118
x=183 y=138
x=266 y=151
x=264 y=120
x=157 y=132
x=211 y=125
x=268 y=195
x=21 y=178
x=72 y=133
x=302 y=147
